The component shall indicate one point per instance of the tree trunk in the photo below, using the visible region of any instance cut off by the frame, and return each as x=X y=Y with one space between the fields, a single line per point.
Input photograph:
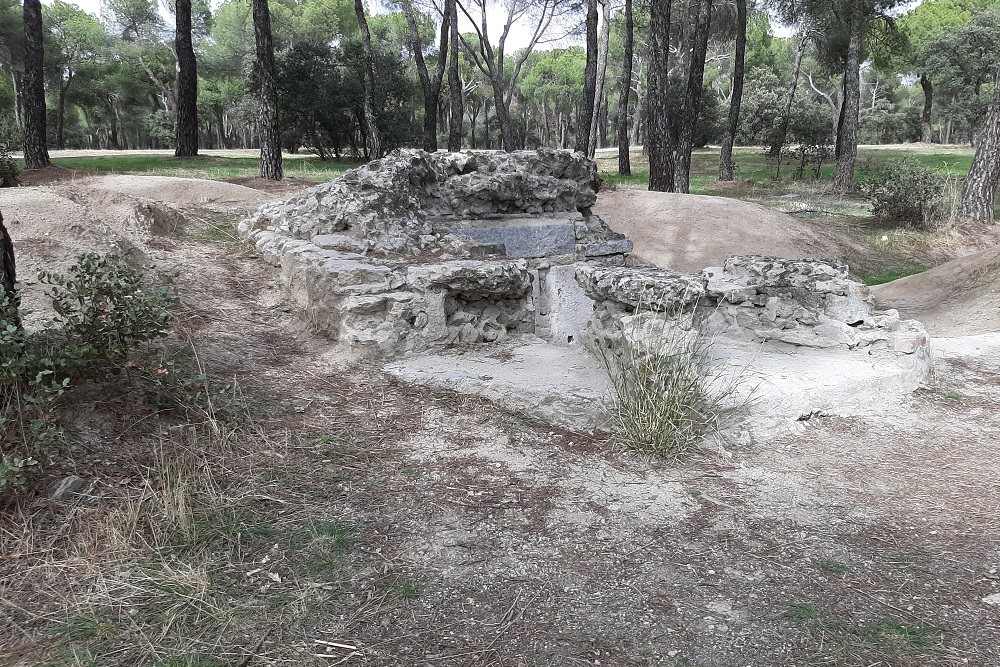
x=979 y=191
x=625 y=89
x=454 y=83
x=269 y=124
x=736 y=99
x=692 y=97
x=61 y=118
x=843 y=178
x=36 y=149
x=779 y=140
x=658 y=136
x=372 y=136
x=589 y=83
x=431 y=88
x=187 y=83
x=8 y=275
x=502 y=113
x=926 y=129
x=602 y=74
x=16 y=84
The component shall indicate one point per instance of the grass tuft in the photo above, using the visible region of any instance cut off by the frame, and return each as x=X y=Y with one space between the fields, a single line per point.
x=667 y=391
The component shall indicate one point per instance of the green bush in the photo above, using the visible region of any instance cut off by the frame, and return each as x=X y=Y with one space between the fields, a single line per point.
x=9 y=172
x=905 y=190
x=104 y=309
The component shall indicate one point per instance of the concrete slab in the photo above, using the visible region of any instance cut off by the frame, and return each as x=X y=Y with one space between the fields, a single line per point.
x=568 y=386
x=561 y=385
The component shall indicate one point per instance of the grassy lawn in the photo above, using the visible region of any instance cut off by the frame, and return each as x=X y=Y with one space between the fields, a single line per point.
x=308 y=168
x=755 y=167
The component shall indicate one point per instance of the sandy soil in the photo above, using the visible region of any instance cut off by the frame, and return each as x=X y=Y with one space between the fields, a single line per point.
x=691 y=232
x=52 y=224
x=957 y=298
x=476 y=537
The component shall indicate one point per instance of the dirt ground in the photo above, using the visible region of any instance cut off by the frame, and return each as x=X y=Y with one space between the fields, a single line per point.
x=691 y=232
x=957 y=298
x=261 y=503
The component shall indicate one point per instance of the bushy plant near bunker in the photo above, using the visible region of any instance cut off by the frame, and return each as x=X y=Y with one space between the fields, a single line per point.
x=668 y=393
x=104 y=309
x=907 y=191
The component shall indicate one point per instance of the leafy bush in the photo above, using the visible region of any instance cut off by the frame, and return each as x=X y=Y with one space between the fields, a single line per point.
x=905 y=190
x=667 y=392
x=9 y=172
x=104 y=309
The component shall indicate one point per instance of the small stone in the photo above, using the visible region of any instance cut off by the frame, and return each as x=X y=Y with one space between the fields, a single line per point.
x=993 y=599
x=66 y=487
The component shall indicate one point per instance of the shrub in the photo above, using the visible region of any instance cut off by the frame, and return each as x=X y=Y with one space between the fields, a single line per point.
x=905 y=190
x=667 y=394
x=104 y=309
x=9 y=172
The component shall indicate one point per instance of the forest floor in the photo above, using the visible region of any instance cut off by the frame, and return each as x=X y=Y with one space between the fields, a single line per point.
x=251 y=500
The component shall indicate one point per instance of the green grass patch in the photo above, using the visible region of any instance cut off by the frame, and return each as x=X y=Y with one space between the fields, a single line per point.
x=888 y=275
x=89 y=626
x=885 y=632
x=209 y=167
x=906 y=635
x=753 y=165
x=833 y=567
x=400 y=588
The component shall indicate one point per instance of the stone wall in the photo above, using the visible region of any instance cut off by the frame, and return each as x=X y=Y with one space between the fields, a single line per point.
x=423 y=249
x=807 y=303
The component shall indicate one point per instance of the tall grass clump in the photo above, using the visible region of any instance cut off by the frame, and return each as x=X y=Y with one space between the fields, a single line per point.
x=668 y=393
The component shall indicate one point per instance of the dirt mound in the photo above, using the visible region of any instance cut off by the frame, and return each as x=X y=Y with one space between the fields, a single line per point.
x=957 y=298
x=51 y=225
x=691 y=232
x=173 y=190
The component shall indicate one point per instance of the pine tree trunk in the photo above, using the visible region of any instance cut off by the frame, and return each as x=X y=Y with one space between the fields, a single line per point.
x=692 y=97
x=503 y=117
x=431 y=88
x=36 y=149
x=624 y=91
x=586 y=116
x=926 y=130
x=187 y=83
x=269 y=124
x=372 y=135
x=778 y=142
x=979 y=191
x=454 y=83
x=739 y=71
x=16 y=84
x=843 y=178
x=61 y=118
x=658 y=135
x=8 y=273
x=602 y=75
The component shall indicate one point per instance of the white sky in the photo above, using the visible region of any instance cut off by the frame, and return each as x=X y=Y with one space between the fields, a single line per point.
x=519 y=37
x=520 y=34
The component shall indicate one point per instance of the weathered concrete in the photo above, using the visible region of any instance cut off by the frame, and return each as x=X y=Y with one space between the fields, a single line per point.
x=568 y=387
x=558 y=384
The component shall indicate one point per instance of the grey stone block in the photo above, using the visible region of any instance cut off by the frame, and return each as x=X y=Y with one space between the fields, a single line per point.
x=524 y=237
